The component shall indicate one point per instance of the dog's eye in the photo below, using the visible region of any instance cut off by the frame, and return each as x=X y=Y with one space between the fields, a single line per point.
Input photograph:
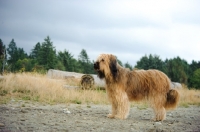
x=102 y=60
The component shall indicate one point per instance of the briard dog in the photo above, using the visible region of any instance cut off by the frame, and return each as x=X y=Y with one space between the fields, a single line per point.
x=123 y=85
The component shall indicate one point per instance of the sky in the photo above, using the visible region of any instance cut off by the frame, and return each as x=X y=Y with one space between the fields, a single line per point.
x=128 y=29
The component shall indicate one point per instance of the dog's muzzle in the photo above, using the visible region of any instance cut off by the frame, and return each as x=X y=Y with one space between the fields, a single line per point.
x=96 y=66
x=100 y=74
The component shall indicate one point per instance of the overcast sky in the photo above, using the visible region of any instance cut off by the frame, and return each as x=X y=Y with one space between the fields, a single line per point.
x=127 y=29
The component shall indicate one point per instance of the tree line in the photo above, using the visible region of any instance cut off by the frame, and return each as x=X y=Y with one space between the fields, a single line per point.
x=43 y=57
x=177 y=69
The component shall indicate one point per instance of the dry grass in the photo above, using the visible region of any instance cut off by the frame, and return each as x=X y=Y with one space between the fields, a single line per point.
x=37 y=87
x=189 y=97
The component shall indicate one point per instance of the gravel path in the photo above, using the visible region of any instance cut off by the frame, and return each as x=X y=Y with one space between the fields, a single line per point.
x=19 y=116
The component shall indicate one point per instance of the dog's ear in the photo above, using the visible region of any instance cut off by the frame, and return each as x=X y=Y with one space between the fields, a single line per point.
x=113 y=66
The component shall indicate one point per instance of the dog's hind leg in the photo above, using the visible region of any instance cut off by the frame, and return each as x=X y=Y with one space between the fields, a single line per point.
x=157 y=103
x=160 y=114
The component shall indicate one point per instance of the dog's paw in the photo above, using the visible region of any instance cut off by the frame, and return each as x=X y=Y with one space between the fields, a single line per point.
x=120 y=117
x=156 y=120
x=110 y=116
x=153 y=119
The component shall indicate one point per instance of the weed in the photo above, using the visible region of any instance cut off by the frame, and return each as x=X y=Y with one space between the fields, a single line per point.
x=36 y=98
x=14 y=91
x=22 y=91
x=142 y=106
x=3 y=92
x=185 y=105
x=26 y=98
x=77 y=102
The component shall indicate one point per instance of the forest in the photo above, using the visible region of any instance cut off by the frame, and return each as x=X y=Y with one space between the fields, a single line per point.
x=44 y=56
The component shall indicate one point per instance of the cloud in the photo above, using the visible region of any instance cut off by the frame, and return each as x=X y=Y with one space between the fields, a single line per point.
x=129 y=29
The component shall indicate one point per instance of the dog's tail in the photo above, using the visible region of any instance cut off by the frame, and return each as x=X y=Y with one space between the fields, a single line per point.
x=172 y=99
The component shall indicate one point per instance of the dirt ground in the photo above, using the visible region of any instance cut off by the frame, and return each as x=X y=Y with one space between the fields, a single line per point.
x=19 y=116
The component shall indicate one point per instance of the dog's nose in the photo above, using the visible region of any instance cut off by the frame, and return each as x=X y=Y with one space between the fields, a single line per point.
x=96 y=65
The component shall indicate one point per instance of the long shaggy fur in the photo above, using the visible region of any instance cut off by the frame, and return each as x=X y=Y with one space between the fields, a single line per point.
x=124 y=85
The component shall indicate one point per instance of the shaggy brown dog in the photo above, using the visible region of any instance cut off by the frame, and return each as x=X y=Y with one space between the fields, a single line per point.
x=124 y=85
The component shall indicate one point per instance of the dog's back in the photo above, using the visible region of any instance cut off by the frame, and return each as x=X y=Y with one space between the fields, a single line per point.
x=144 y=83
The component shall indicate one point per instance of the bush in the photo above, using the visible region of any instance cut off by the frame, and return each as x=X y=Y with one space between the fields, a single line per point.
x=195 y=80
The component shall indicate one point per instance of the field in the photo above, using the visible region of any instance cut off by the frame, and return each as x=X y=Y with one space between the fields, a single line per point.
x=37 y=87
x=35 y=93
x=40 y=88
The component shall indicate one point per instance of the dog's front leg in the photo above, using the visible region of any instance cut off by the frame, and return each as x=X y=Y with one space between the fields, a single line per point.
x=113 y=102
x=114 y=110
x=123 y=105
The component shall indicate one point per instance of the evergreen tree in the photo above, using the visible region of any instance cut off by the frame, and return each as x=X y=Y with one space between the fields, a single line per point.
x=127 y=65
x=192 y=68
x=83 y=57
x=119 y=62
x=34 y=56
x=195 y=79
x=15 y=54
x=47 y=54
x=150 y=62
x=85 y=66
x=35 y=51
x=67 y=59
x=13 y=57
x=21 y=54
x=177 y=69
x=2 y=56
x=1 y=48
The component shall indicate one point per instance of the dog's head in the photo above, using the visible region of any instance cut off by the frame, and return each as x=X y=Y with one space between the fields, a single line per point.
x=106 y=65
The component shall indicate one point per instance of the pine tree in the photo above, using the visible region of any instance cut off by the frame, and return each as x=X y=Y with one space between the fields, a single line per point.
x=127 y=65
x=47 y=54
x=195 y=79
x=67 y=59
x=85 y=66
x=12 y=52
x=1 y=48
x=2 y=56
x=35 y=51
x=177 y=69
x=150 y=62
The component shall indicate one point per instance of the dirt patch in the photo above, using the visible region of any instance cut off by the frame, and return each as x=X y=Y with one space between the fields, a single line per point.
x=31 y=116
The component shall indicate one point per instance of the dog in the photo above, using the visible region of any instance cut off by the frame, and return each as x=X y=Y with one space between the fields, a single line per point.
x=124 y=85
